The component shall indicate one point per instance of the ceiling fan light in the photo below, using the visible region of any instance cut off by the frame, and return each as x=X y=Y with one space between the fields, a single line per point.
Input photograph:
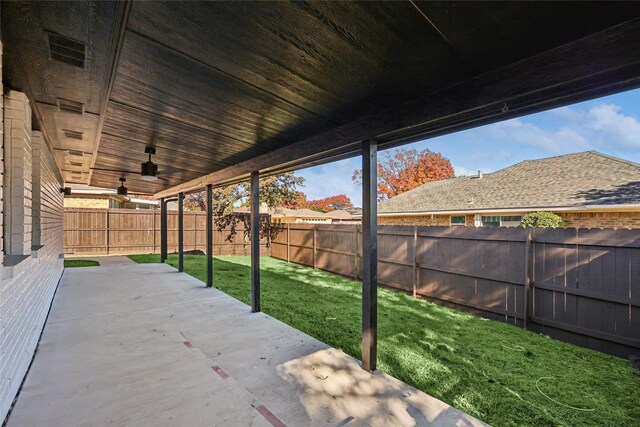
x=149 y=171
x=122 y=190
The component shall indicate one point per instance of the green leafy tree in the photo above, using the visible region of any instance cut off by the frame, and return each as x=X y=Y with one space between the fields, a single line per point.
x=542 y=220
x=274 y=191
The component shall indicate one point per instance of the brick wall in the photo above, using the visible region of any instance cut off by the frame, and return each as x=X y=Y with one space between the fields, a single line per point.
x=36 y=145
x=571 y=219
x=601 y=219
x=424 y=220
x=428 y=220
x=17 y=173
x=27 y=286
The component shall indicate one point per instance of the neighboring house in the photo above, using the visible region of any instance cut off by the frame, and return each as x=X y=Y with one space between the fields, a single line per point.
x=587 y=189
x=83 y=196
x=282 y=215
x=309 y=216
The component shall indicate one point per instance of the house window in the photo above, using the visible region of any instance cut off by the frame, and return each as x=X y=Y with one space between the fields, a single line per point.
x=491 y=221
x=501 y=221
x=458 y=220
x=510 y=221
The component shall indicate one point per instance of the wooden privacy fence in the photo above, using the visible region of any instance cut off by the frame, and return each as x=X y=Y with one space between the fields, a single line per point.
x=578 y=285
x=128 y=231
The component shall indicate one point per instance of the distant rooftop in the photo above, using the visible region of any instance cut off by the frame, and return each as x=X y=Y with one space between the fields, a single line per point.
x=581 y=179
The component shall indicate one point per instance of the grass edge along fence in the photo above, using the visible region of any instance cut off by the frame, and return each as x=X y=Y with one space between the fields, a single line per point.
x=581 y=286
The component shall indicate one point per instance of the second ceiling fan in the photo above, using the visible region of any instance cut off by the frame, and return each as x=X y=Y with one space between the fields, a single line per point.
x=148 y=170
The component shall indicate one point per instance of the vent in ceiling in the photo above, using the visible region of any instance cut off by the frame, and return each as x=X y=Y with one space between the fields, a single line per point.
x=66 y=50
x=73 y=134
x=76 y=164
x=68 y=106
x=75 y=153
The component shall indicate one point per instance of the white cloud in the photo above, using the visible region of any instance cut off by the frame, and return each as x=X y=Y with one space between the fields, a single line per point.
x=616 y=129
x=603 y=126
x=563 y=140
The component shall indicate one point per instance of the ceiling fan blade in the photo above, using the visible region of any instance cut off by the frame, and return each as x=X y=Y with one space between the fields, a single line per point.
x=170 y=171
x=116 y=170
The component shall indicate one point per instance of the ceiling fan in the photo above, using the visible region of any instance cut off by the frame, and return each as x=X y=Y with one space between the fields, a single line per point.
x=148 y=170
x=122 y=190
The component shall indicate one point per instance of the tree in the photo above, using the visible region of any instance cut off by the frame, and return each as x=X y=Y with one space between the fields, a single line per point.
x=404 y=170
x=542 y=220
x=299 y=202
x=332 y=203
x=274 y=191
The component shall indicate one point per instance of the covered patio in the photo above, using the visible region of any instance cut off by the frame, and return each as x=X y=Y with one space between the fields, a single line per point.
x=141 y=344
x=179 y=97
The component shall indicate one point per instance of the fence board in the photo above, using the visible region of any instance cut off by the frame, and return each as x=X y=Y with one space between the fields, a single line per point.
x=128 y=231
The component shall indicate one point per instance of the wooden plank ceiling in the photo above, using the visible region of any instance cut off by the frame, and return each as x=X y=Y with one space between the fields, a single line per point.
x=217 y=84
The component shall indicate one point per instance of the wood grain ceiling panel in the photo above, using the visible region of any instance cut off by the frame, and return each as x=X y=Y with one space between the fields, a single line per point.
x=165 y=157
x=332 y=58
x=134 y=183
x=215 y=84
x=128 y=123
x=159 y=80
x=492 y=34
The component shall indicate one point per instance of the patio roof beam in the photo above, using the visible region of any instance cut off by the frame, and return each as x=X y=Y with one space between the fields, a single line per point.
x=369 y=254
x=209 y=235
x=181 y=232
x=255 y=242
x=593 y=66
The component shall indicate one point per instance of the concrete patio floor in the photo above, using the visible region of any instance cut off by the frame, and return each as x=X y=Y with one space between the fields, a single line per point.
x=144 y=345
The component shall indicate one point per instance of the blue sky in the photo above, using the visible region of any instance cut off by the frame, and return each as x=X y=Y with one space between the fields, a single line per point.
x=610 y=125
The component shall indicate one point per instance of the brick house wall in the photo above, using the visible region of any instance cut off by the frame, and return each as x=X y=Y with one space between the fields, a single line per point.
x=571 y=219
x=601 y=219
x=32 y=265
x=426 y=220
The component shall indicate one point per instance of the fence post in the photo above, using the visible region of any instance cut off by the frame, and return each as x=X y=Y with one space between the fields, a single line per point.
x=106 y=231
x=528 y=258
x=415 y=261
x=288 y=239
x=314 y=245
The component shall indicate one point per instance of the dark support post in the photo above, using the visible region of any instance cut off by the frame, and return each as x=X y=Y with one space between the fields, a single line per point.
x=369 y=255
x=255 y=242
x=163 y=230
x=209 y=235
x=181 y=232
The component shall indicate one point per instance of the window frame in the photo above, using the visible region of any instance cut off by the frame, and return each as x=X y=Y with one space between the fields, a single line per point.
x=457 y=224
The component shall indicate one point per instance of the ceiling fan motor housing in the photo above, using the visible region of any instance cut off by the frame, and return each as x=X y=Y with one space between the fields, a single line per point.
x=148 y=169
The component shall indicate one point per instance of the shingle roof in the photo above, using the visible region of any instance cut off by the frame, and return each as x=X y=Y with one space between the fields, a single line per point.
x=586 y=178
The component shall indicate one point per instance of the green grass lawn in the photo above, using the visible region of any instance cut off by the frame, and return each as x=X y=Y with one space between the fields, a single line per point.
x=492 y=370
x=69 y=263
